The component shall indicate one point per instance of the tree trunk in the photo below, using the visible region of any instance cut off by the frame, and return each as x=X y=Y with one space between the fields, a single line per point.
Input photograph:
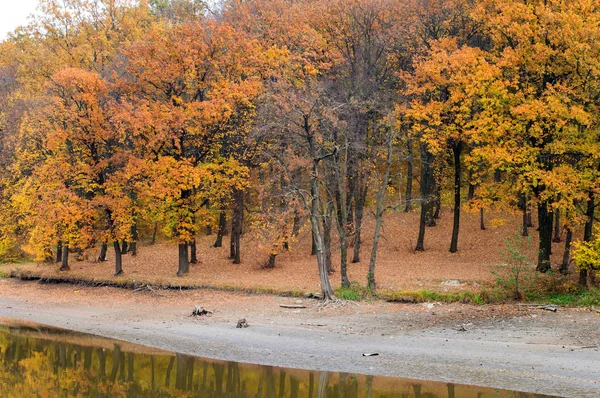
x=236 y=226
x=118 y=258
x=409 y=177
x=313 y=247
x=471 y=192
x=327 y=219
x=456 y=150
x=379 y=217
x=529 y=217
x=184 y=263
x=134 y=239
x=523 y=200
x=482 y=219
x=154 y=232
x=103 y=250
x=587 y=235
x=545 y=218
x=59 y=252
x=437 y=204
x=271 y=261
x=64 y=265
x=342 y=227
x=556 y=238
x=124 y=247
x=222 y=229
x=425 y=189
x=564 y=266
x=193 y=252
x=361 y=197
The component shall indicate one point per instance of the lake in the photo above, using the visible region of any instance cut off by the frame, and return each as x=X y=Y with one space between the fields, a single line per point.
x=46 y=362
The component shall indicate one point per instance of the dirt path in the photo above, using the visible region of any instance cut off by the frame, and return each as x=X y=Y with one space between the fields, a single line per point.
x=496 y=346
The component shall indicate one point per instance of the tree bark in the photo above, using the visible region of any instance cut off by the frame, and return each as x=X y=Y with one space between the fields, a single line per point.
x=59 y=252
x=327 y=221
x=556 y=238
x=361 y=197
x=124 y=247
x=236 y=226
x=409 y=177
x=103 y=250
x=118 y=258
x=588 y=234
x=545 y=218
x=193 y=252
x=184 y=263
x=425 y=189
x=134 y=239
x=379 y=217
x=64 y=265
x=222 y=231
x=342 y=227
x=564 y=266
x=523 y=202
x=456 y=150
x=154 y=233
x=482 y=219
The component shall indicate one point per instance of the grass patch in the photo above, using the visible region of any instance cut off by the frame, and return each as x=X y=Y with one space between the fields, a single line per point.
x=580 y=298
x=354 y=292
x=426 y=295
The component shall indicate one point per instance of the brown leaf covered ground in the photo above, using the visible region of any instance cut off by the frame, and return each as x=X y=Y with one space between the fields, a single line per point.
x=398 y=267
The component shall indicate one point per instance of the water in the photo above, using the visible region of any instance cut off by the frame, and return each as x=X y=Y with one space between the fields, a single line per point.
x=47 y=362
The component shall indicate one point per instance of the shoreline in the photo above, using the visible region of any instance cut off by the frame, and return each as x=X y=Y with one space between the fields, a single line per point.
x=524 y=352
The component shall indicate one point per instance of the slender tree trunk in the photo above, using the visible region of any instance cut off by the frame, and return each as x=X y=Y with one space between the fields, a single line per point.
x=313 y=247
x=482 y=219
x=236 y=226
x=425 y=188
x=556 y=238
x=471 y=192
x=184 y=263
x=118 y=258
x=134 y=239
x=523 y=202
x=564 y=266
x=456 y=149
x=360 y=206
x=545 y=218
x=379 y=217
x=222 y=231
x=437 y=205
x=342 y=227
x=409 y=177
x=59 y=252
x=193 y=252
x=271 y=261
x=154 y=233
x=327 y=220
x=588 y=234
x=103 y=250
x=64 y=265
x=529 y=217
x=124 y=247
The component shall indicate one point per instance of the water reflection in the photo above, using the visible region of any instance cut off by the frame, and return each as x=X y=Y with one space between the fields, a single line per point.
x=39 y=361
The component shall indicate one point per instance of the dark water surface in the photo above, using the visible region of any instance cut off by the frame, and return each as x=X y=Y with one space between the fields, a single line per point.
x=38 y=361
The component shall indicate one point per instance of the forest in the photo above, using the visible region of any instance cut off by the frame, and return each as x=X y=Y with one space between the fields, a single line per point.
x=126 y=121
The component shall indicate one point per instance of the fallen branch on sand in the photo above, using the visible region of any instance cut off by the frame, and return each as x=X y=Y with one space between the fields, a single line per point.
x=552 y=308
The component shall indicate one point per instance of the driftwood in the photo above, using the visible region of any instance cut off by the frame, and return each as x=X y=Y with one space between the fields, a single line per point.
x=242 y=323
x=552 y=308
x=200 y=311
x=292 y=306
x=373 y=354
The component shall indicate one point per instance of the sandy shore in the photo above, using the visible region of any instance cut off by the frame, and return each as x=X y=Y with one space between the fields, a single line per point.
x=495 y=346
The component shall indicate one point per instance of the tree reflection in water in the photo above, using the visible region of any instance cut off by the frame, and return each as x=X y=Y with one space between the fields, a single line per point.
x=39 y=361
